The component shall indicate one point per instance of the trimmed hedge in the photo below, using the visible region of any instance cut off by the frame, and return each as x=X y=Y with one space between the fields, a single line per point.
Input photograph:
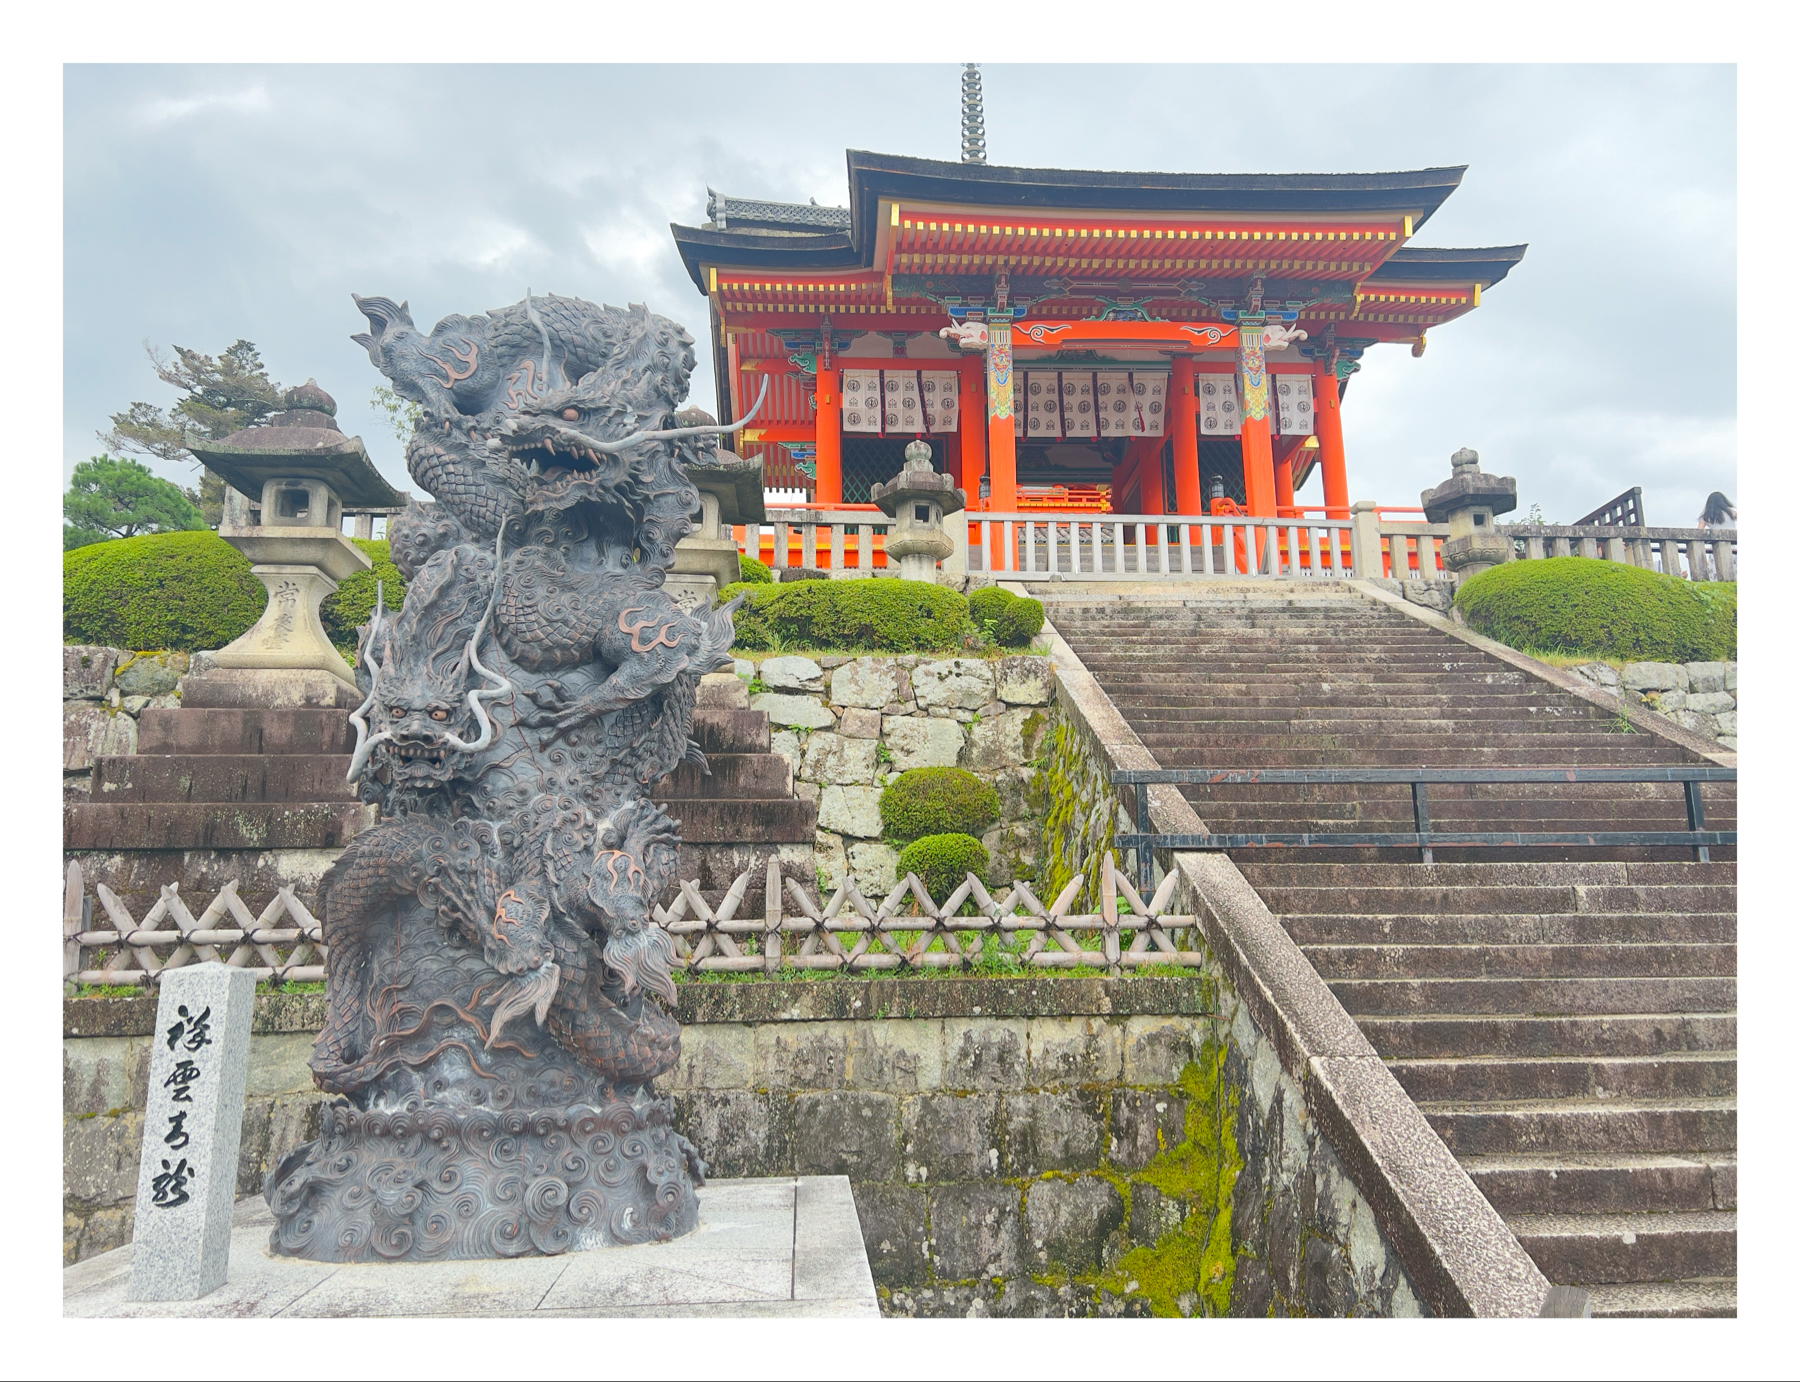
x=941 y=861
x=874 y=616
x=354 y=599
x=1016 y=618
x=185 y=592
x=1582 y=607
x=937 y=801
x=193 y=592
x=753 y=572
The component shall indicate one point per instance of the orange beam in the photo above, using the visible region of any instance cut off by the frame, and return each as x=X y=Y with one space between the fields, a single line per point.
x=1328 y=426
x=828 y=469
x=971 y=423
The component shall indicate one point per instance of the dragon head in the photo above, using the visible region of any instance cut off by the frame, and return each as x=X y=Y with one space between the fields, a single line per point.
x=420 y=721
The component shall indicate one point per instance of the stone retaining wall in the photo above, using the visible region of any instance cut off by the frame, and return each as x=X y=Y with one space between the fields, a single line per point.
x=1042 y=1146
x=848 y=724
x=1700 y=697
x=104 y=691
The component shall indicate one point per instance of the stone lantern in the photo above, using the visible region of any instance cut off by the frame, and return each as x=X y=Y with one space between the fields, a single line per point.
x=918 y=498
x=731 y=492
x=1469 y=501
x=289 y=481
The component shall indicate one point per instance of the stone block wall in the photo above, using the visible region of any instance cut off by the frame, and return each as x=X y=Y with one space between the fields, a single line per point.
x=1700 y=697
x=104 y=691
x=848 y=724
x=1041 y=1146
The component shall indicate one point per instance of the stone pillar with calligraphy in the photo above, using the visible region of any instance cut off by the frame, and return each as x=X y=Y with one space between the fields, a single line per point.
x=187 y=1171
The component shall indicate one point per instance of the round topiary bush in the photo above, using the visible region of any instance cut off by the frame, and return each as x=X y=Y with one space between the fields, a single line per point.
x=182 y=591
x=942 y=861
x=937 y=801
x=1016 y=618
x=753 y=572
x=1587 y=608
x=354 y=600
x=871 y=616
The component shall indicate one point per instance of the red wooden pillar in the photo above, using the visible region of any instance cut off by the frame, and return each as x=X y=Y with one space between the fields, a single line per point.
x=1254 y=439
x=1284 y=452
x=1328 y=424
x=1003 y=488
x=828 y=462
x=1184 y=437
x=1150 y=474
x=971 y=426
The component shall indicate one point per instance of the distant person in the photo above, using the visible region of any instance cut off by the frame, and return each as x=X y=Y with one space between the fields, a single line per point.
x=1718 y=513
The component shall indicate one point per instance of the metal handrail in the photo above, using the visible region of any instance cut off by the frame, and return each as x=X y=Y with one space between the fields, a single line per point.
x=1422 y=837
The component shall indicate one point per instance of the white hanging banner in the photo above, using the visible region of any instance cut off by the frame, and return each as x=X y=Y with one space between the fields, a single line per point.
x=1218 y=398
x=1114 y=404
x=861 y=411
x=901 y=414
x=1078 y=405
x=1148 y=392
x=938 y=387
x=1043 y=410
x=1294 y=404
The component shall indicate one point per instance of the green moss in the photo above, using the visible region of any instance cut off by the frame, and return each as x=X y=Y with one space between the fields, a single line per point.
x=1193 y=1264
x=1076 y=828
x=181 y=591
x=1603 y=609
x=937 y=801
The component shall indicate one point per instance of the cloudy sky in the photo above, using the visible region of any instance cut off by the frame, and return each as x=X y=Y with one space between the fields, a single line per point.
x=207 y=203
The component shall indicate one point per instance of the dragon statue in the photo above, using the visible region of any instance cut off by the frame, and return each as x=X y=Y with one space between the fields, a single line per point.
x=493 y=1026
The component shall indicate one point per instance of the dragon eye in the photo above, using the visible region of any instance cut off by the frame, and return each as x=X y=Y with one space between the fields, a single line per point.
x=571 y=415
x=397 y=712
x=440 y=714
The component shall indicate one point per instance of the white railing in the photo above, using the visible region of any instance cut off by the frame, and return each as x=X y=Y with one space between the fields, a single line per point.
x=1410 y=551
x=1088 y=547
x=1695 y=554
x=840 y=541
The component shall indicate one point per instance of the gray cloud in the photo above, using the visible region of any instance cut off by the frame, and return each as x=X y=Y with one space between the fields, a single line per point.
x=207 y=203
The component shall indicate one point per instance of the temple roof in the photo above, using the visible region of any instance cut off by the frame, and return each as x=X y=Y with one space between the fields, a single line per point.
x=1418 y=265
x=776 y=235
x=743 y=213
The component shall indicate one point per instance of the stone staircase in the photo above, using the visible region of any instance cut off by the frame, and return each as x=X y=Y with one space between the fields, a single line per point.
x=220 y=790
x=1564 y=1017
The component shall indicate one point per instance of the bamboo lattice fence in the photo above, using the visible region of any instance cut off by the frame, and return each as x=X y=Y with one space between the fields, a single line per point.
x=906 y=931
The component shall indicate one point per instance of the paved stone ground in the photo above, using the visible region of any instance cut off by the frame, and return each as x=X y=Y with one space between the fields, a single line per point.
x=780 y=1247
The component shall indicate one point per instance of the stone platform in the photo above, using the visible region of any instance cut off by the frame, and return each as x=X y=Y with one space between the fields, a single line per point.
x=782 y=1246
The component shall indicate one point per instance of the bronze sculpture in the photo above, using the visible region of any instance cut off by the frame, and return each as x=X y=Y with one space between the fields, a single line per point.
x=493 y=1028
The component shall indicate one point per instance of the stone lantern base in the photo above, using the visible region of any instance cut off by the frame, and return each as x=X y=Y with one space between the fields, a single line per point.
x=299 y=567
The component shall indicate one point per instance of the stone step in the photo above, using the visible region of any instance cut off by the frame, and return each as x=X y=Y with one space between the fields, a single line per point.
x=1670 y=1076
x=731 y=731
x=748 y=822
x=235 y=691
x=1643 y=873
x=1485 y=961
x=1613 y=1035
x=1445 y=748
x=1596 y=1249
x=1696 y=1124
x=223 y=777
x=1173 y=752
x=231 y=731
x=234 y=825
x=733 y=777
x=1288 y=899
x=1706 y=1297
x=1514 y=928
x=1604 y=1182
x=1535 y=997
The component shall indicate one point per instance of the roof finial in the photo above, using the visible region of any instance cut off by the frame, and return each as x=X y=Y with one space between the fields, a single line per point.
x=974 y=127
